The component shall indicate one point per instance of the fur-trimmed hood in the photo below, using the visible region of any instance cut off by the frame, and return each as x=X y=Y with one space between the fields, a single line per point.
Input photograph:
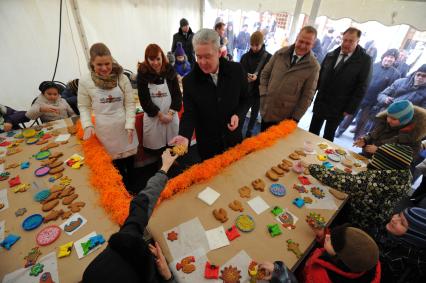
x=417 y=127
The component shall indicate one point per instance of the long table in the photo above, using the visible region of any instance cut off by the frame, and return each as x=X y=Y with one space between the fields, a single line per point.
x=70 y=268
x=258 y=244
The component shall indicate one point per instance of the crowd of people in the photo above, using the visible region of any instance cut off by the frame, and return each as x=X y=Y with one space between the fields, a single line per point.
x=387 y=234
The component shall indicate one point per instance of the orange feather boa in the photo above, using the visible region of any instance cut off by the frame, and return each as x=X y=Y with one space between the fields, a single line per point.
x=116 y=200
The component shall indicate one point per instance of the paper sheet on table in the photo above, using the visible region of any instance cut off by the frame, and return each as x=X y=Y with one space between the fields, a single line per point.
x=217 y=238
x=4 y=200
x=23 y=275
x=258 y=205
x=79 y=248
x=191 y=235
x=59 y=124
x=295 y=218
x=62 y=138
x=325 y=203
x=241 y=260
x=2 y=228
x=208 y=195
x=1 y=168
x=74 y=217
x=198 y=274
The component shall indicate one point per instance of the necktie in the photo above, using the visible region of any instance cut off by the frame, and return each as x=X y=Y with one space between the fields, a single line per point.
x=293 y=61
x=341 y=62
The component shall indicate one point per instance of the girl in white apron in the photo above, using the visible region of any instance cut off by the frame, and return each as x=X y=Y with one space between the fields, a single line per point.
x=108 y=93
x=160 y=98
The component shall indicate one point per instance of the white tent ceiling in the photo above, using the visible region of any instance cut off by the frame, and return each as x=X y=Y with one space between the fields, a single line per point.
x=387 y=12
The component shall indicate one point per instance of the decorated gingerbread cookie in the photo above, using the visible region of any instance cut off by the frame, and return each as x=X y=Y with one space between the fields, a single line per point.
x=258 y=185
x=244 y=192
x=236 y=206
x=220 y=214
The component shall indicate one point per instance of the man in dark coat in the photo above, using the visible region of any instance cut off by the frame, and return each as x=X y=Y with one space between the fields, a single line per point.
x=215 y=99
x=242 y=43
x=253 y=63
x=384 y=74
x=344 y=77
x=128 y=258
x=184 y=35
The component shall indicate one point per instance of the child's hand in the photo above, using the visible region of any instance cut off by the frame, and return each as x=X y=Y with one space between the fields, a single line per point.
x=359 y=142
x=7 y=127
x=167 y=159
x=160 y=261
x=371 y=148
x=49 y=109
x=268 y=268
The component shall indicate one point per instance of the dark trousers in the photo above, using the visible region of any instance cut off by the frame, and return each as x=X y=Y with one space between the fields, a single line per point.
x=344 y=125
x=126 y=168
x=266 y=125
x=253 y=115
x=362 y=127
x=330 y=126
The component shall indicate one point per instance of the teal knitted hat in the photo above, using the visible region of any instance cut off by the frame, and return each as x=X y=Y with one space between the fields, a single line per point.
x=402 y=110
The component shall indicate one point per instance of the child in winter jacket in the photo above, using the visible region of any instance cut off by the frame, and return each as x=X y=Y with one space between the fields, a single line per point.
x=182 y=66
x=49 y=106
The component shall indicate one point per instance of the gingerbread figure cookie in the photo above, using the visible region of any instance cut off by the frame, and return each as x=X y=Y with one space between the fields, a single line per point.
x=72 y=130
x=294 y=156
x=69 y=199
x=76 y=206
x=245 y=192
x=300 y=152
x=272 y=175
x=49 y=146
x=284 y=167
x=56 y=155
x=278 y=171
x=294 y=247
x=258 y=185
x=236 y=206
x=337 y=194
x=56 y=170
x=220 y=214
x=66 y=214
x=231 y=275
x=172 y=236
x=67 y=192
x=287 y=162
x=55 y=164
x=50 y=205
x=53 y=215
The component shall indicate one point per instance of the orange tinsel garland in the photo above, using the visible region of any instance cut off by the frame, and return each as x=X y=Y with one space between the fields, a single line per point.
x=114 y=197
x=116 y=200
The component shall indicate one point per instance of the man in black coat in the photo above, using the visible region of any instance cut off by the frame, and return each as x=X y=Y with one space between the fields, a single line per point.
x=344 y=77
x=215 y=99
x=184 y=35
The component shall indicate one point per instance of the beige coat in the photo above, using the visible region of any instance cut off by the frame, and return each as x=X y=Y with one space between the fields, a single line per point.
x=286 y=93
x=64 y=109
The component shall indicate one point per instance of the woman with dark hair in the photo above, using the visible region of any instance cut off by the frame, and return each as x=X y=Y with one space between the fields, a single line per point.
x=49 y=106
x=160 y=98
x=108 y=92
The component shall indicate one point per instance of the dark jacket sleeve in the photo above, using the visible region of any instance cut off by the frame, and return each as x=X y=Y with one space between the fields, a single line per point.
x=361 y=86
x=145 y=97
x=142 y=205
x=176 y=94
x=245 y=102
x=282 y=274
x=187 y=122
x=174 y=43
x=337 y=180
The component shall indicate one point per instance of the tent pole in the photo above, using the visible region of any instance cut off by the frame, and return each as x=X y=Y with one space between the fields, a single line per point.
x=80 y=28
x=295 y=20
x=314 y=12
x=202 y=10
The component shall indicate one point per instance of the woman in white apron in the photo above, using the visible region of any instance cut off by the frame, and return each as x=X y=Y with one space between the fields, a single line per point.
x=108 y=93
x=160 y=98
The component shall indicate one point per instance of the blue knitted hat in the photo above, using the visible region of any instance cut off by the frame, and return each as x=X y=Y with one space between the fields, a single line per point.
x=416 y=233
x=402 y=110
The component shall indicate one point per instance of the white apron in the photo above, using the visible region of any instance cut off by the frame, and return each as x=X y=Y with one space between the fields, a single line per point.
x=156 y=134
x=110 y=115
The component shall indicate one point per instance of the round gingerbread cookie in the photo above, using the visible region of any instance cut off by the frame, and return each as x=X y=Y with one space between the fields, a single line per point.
x=48 y=235
x=277 y=190
x=42 y=155
x=42 y=171
x=334 y=157
x=32 y=222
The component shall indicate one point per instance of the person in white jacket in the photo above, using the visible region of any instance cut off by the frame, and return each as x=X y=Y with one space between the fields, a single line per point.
x=108 y=93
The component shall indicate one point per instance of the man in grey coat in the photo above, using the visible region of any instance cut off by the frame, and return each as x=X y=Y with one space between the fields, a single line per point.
x=288 y=81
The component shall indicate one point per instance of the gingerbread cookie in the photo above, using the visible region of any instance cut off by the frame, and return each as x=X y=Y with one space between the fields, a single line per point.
x=284 y=167
x=73 y=225
x=53 y=215
x=49 y=146
x=69 y=199
x=55 y=164
x=308 y=200
x=287 y=162
x=40 y=142
x=56 y=188
x=56 y=155
x=67 y=192
x=76 y=206
x=48 y=161
x=244 y=192
x=300 y=153
x=347 y=162
x=66 y=214
x=294 y=156
x=337 y=194
x=236 y=206
x=11 y=166
x=56 y=170
x=52 y=196
x=231 y=275
x=272 y=175
x=179 y=150
x=258 y=185
x=292 y=246
x=50 y=205
x=278 y=171
x=186 y=264
x=172 y=236
x=72 y=130
x=220 y=214
x=306 y=171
